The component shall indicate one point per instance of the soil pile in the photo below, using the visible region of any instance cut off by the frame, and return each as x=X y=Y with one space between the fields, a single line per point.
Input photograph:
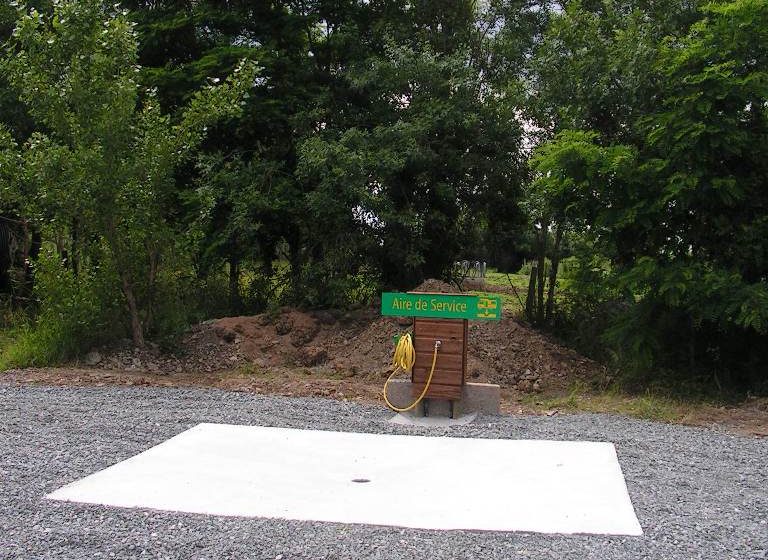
x=438 y=286
x=356 y=343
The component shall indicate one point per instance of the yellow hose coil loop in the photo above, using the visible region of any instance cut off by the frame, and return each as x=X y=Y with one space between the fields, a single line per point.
x=405 y=356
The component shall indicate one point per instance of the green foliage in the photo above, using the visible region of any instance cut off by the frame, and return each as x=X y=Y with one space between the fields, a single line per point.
x=323 y=286
x=380 y=154
x=76 y=312
x=596 y=66
x=100 y=169
x=568 y=169
x=414 y=175
x=241 y=209
x=378 y=143
x=678 y=214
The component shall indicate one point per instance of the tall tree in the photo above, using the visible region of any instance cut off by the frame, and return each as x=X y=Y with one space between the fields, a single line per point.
x=432 y=146
x=104 y=155
x=242 y=198
x=351 y=84
x=595 y=67
x=689 y=194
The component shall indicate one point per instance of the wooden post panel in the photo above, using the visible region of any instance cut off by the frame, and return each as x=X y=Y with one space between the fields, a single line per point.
x=451 y=363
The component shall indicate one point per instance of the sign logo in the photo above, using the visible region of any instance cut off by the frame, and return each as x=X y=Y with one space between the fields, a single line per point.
x=488 y=308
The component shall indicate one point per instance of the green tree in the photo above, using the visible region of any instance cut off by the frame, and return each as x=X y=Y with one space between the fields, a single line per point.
x=705 y=150
x=575 y=182
x=595 y=68
x=432 y=154
x=348 y=89
x=681 y=212
x=251 y=158
x=102 y=161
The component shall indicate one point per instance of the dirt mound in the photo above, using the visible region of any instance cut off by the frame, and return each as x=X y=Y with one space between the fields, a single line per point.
x=512 y=354
x=291 y=337
x=432 y=285
x=270 y=341
x=356 y=343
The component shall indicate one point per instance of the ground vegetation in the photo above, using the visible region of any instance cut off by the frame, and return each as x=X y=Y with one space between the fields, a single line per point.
x=164 y=163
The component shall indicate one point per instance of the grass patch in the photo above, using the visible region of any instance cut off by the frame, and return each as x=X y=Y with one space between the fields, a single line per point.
x=28 y=346
x=248 y=370
x=6 y=341
x=252 y=370
x=648 y=406
x=14 y=334
x=519 y=281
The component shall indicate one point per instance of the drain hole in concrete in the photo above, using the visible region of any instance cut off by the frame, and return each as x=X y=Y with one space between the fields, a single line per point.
x=361 y=480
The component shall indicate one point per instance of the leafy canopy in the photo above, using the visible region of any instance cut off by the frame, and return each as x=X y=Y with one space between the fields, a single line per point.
x=103 y=157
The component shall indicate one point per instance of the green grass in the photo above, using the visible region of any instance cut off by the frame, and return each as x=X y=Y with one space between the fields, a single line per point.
x=13 y=324
x=273 y=374
x=519 y=281
x=6 y=341
x=649 y=405
x=27 y=346
x=24 y=343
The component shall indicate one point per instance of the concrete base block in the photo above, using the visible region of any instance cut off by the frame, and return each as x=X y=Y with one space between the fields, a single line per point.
x=476 y=397
x=481 y=397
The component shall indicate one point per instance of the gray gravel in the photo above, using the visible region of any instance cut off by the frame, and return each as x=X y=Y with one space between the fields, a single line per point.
x=698 y=493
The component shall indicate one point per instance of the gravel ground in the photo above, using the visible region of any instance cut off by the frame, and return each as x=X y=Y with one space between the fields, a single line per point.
x=698 y=493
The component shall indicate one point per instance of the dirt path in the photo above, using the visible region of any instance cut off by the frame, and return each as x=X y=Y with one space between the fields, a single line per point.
x=750 y=418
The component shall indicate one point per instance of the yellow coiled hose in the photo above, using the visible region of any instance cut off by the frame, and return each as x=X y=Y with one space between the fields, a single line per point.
x=404 y=358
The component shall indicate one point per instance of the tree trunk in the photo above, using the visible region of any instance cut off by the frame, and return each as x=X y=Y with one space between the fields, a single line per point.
x=234 y=284
x=530 y=302
x=294 y=255
x=36 y=243
x=553 y=272
x=137 y=331
x=692 y=346
x=268 y=251
x=542 y=262
x=75 y=247
x=154 y=263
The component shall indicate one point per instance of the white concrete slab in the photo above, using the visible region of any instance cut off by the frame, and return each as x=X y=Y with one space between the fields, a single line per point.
x=421 y=482
x=432 y=421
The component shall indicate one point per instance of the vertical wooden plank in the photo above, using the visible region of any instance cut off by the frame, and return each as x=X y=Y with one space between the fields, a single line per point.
x=464 y=353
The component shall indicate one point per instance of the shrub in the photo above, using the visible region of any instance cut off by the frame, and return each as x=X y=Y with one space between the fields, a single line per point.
x=76 y=312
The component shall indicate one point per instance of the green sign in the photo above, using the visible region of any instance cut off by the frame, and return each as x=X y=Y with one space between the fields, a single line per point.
x=444 y=306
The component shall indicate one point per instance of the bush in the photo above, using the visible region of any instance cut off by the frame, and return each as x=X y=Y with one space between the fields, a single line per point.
x=76 y=312
x=652 y=342
x=322 y=285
